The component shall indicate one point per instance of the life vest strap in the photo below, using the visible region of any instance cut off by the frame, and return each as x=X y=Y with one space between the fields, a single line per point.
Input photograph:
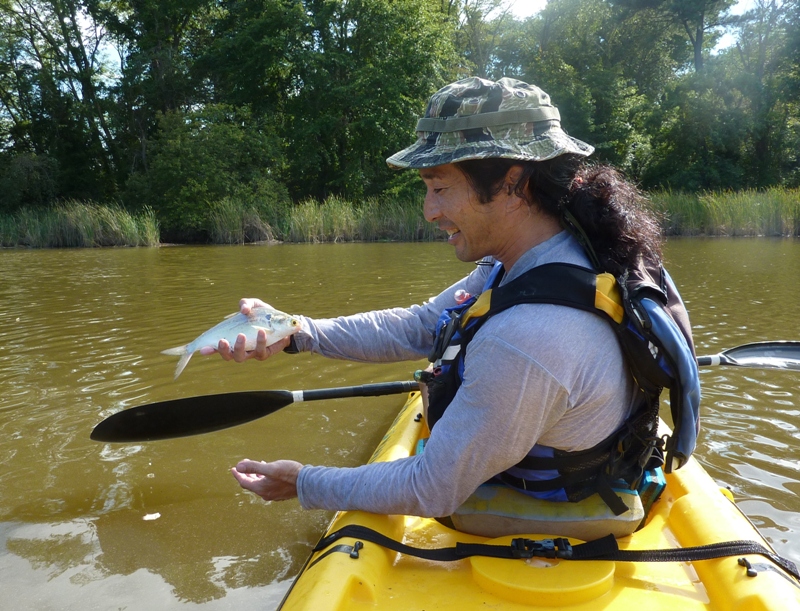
x=599 y=483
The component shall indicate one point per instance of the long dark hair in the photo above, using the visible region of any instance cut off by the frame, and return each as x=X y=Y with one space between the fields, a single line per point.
x=596 y=200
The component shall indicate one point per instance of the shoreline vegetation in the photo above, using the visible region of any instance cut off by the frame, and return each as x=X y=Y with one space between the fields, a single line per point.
x=773 y=212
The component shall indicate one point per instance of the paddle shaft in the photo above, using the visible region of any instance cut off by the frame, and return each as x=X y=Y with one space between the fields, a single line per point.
x=204 y=414
x=709 y=361
x=365 y=390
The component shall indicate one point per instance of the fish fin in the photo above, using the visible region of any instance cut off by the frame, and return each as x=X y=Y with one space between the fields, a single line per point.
x=179 y=351
x=230 y=315
x=182 y=363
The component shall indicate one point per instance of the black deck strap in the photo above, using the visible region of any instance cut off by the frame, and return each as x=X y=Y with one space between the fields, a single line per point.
x=351 y=550
x=519 y=548
x=605 y=548
x=702 y=552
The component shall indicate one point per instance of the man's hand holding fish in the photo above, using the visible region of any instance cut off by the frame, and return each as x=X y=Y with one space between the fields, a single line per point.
x=257 y=330
x=239 y=352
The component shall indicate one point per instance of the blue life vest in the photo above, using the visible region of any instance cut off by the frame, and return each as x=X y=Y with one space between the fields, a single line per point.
x=650 y=321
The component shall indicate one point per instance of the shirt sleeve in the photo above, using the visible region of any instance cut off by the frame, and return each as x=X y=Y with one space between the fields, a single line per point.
x=391 y=335
x=496 y=417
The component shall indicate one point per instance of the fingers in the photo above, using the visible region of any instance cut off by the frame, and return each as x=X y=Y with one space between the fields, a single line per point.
x=251 y=466
x=239 y=350
x=274 y=481
x=260 y=353
x=224 y=349
x=264 y=352
x=248 y=303
x=239 y=353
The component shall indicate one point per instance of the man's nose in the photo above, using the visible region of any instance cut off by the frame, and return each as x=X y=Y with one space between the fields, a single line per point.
x=430 y=209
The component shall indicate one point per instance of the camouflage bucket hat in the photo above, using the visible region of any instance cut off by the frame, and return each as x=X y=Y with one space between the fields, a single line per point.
x=477 y=119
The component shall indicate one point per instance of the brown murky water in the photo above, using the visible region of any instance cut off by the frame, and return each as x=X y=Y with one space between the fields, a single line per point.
x=85 y=525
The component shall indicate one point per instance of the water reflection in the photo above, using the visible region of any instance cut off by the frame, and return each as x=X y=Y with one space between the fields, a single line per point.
x=143 y=573
x=80 y=338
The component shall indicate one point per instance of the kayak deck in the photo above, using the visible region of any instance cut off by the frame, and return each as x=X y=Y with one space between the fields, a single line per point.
x=692 y=511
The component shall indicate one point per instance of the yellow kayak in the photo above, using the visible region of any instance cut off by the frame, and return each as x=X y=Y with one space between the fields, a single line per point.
x=691 y=512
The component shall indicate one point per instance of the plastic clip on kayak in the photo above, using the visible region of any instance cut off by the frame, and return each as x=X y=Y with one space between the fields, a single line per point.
x=544 y=548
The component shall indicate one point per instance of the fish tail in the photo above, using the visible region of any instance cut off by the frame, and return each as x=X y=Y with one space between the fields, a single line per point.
x=179 y=351
x=182 y=363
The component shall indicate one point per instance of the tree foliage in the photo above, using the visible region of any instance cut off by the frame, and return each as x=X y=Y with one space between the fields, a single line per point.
x=200 y=157
x=179 y=104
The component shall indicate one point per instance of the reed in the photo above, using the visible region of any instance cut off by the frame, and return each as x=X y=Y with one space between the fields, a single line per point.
x=400 y=220
x=769 y=212
x=375 y=219
x=78 y=224
x=233 y=221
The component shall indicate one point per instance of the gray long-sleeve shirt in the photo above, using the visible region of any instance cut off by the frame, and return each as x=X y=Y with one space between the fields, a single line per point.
x=535 y=373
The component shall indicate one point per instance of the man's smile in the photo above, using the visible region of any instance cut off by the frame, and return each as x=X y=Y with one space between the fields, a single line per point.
x=452 y=232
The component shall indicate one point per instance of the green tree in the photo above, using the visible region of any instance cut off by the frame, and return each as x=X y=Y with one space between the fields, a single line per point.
x=252 y=58
x=158 y=42
x=54 y=98
x=360 y=86
x=696 y=135
x=763 y=74
x=734 y=125
x=480 y=27
x=700 y=20
x=603 y=68
x=199 y=157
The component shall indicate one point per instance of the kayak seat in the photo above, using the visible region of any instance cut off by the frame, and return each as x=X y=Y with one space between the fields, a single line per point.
x=497 y=510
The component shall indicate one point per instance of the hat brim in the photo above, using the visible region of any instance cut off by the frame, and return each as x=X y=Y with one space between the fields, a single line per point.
x=424 y=154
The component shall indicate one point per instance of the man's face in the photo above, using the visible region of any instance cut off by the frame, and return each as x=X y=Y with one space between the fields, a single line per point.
x=453 y=205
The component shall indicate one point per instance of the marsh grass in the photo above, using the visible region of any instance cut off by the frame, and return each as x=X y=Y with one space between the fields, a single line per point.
x=235 y=222
x=78 y=224
x=373 y=220
x=769 y=212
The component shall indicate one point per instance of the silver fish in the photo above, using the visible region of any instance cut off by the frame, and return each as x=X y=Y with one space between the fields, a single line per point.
x=277 y=325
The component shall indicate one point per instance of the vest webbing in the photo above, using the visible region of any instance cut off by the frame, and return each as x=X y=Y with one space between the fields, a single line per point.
x=624 y=454
x=554 y=283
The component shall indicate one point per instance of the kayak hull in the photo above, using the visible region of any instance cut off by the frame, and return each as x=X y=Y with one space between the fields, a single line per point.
x=692 y=511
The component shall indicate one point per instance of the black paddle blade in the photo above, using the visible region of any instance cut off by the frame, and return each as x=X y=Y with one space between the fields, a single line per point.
x=770 y=355
x=759 y=355
x=189 y=416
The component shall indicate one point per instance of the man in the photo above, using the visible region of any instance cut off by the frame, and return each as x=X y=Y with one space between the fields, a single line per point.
x=503 y=180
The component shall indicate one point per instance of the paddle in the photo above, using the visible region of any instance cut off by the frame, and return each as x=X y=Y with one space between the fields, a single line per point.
x=204 y=414
x=765 y=355
x=196 y=415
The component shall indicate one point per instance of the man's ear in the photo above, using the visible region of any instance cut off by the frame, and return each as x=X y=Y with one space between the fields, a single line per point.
x=510 y=182
x=512 y=178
